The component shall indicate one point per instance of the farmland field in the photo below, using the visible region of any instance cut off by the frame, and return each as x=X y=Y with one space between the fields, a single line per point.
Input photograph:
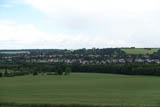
x=140 y=51
x=14 y=52
x=81 y=88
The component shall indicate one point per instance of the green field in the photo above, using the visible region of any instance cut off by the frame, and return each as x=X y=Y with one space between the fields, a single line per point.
x=140 y=51
x=15 y=52
x=79 y=88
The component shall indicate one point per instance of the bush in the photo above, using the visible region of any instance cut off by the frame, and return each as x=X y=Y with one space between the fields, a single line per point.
x=50 y=73
x=59 y=71
x=6 y=74
x=1 y=74
x=35 y=73
x=67 y=71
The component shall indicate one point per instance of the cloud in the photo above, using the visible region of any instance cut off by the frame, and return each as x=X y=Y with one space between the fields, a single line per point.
x=7 y=22
x=93 y=23
x=100 y=17
x=94 y=6
x=16 y=36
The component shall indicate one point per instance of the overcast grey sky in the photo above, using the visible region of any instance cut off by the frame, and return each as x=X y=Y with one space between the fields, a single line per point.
x=76 y=24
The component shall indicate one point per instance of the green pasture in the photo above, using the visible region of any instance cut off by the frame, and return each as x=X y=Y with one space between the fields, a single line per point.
x=15 y=52
x=81 y=88
x=140 y=51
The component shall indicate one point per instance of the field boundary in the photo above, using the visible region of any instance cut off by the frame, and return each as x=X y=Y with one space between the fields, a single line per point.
x=68 y=105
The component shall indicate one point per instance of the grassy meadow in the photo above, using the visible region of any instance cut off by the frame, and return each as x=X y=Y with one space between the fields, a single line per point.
x=140 y=51
x=15 y=52
x=81 y=88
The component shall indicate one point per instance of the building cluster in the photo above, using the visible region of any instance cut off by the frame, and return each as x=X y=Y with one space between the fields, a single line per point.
x=80 y=59
x=107 y=61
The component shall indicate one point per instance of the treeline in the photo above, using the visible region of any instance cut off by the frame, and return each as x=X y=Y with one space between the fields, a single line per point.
x=11 y=70
x=93 y=51
x=126 y=69
x=19 y=69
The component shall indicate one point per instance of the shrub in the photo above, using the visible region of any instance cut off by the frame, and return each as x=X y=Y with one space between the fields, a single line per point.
x=35 y=73
x=67 y=71
x=59 y=71
x=1 y=74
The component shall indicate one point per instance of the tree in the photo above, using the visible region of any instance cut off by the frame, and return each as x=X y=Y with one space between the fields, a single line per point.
x=1 y=74
x=35 y=73
x=6 y=74
x=67 y=71
x=59 y=71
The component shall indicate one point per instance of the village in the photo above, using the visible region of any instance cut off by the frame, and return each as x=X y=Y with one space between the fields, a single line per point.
x=81 y=59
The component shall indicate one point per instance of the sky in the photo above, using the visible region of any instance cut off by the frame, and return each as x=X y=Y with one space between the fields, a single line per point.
x=75 y=24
